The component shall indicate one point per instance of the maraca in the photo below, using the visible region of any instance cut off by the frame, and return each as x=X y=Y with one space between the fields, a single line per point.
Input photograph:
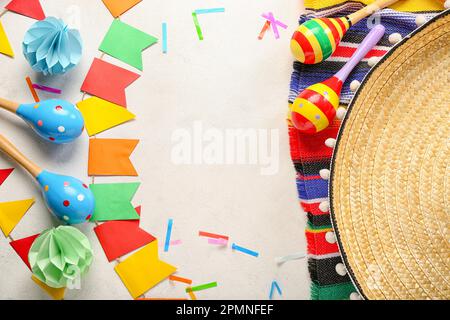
x=315 y=107
x=55 y=120
x=316 y=39
x=67 y=198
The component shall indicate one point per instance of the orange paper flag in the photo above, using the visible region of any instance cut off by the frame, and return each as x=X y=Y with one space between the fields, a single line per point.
x=118 y=7
x=111 y=157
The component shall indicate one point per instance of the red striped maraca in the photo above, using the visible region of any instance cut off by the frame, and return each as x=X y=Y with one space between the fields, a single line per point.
x=66 y=197
x=316 y=39
x=315 y=107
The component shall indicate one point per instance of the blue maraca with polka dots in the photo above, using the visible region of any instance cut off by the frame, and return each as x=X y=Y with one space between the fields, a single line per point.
x=66 y=197
x=54 y=120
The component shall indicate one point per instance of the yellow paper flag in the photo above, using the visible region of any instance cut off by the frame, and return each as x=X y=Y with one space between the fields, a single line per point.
x=143 y=270
x=100 y=115
x=5 y=46
x=111 y=157
x=11 y=213
x=55 y=293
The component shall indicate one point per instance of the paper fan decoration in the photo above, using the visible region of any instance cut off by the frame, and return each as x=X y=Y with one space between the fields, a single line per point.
x=59 y=256
x=51 y=47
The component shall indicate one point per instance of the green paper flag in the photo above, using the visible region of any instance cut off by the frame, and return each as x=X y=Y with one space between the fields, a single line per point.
x=126 y=43
x=113 y=201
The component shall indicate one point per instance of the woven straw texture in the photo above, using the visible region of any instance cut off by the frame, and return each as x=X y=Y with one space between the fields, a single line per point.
x=389 y=184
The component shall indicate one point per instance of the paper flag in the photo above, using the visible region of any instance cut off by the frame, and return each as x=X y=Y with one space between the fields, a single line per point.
x=100 y=115
x=143 y=270
x=29 y=8
x=121 y=237
x=118 y=7
x=126 y=43
x=5 y=46
x=22 y=248
x=4 y=174
x=55 y=293
x=108 y=81
x=111 y=157
x=11 y=213
x=113 y=201
x=138 y=210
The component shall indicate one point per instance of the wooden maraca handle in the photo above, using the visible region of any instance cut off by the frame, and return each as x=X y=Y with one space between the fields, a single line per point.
x=7 y=147
x=370 y=9
x=9 y=105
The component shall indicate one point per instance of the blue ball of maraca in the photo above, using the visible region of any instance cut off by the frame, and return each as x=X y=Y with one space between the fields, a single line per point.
x=54 y=120
x=69 y=199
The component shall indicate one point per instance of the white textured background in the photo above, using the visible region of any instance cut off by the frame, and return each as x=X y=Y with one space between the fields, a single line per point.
x=229 y=80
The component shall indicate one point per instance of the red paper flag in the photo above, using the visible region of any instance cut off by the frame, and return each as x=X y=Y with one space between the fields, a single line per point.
x=121 y=237
x=22 y=247
x=138 y=209
x=29 y=8
x=108 y=81
x=4 y=174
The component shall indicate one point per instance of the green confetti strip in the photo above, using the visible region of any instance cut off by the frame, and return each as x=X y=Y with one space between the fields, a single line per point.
x=202 y=287
x=197 y=26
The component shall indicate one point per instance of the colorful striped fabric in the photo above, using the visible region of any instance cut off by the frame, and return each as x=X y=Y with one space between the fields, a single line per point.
x=310 y=154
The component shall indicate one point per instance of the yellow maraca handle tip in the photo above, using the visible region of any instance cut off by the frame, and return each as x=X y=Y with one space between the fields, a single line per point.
x=9 y=105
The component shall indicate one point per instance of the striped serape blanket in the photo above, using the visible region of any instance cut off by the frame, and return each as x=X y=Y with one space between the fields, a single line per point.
x=310 y=155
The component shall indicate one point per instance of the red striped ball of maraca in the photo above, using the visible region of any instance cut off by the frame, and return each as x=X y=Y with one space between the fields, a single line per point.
x=315 y=108
x=316 y=39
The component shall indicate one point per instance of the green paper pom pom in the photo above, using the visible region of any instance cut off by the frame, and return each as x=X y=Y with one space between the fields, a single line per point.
x=59 y=256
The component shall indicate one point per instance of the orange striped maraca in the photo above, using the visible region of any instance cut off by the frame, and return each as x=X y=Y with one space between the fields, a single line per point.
x=315 y=107
x=316 y=39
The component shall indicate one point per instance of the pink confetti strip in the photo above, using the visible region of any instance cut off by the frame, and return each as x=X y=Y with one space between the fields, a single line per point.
x=172 y=243
x=47 y=89
x=219 y=242
x=275 y=23
x=175 y=242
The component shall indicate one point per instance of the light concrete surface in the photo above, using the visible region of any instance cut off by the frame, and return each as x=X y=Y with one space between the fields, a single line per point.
x=230 y=80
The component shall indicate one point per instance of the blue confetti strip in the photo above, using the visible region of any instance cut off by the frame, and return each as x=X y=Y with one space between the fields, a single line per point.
x=164 y=37
x=244 y=250
x=272 y=287
x=168 y=234
x=212 y=10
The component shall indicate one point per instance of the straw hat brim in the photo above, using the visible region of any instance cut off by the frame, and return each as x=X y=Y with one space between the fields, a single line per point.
x=389 y=182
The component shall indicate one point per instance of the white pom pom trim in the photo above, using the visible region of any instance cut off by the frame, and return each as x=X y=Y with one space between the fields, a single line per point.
x=324 y=174
x=340 y=113
x=395 y=38
x=354 y=85
x=330 y=142
x=420 y=20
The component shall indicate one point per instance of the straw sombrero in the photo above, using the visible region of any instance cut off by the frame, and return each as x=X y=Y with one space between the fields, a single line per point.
x=389 y=188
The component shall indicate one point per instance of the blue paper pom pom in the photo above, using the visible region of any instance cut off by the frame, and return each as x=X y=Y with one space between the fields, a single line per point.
x=51 y=48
